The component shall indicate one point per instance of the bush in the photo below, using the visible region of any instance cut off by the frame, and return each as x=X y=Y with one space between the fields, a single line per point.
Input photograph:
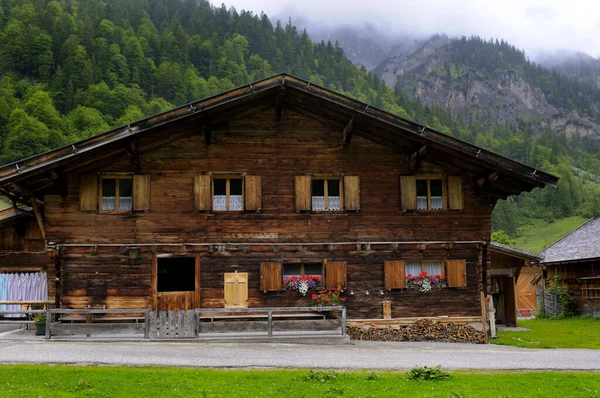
x=428 y=374
x=323 y=377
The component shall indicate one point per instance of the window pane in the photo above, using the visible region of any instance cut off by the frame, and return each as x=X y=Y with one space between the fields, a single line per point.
x=433 y=267
x=125 y=194
x=436 y=194
x=235 y=186
x=412 y=268
x=318 y=187
x=220 y=186
x=220 y=194
x=109 y=190
x=314 y=269
x=235 y=194
x=333 y=194
x=421 y=194
x=333 y=187
x=318 y=192
x=292 y=269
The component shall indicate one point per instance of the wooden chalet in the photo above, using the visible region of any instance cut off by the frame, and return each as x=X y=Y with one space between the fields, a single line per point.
x=575 y=258
x=214 y=203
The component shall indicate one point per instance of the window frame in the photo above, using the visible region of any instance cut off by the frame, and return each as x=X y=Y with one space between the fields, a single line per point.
x=227 y=178
x=423 y=261
x=115 y=177
x=326 y=178
x=302 y=263
x=428 y=178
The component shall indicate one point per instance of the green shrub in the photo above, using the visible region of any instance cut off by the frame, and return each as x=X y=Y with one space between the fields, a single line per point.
x=323 y=377
x=428 y=374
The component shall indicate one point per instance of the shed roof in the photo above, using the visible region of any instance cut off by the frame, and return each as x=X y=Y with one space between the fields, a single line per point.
x=506 y=176
x=581 y=244
x=515 y=252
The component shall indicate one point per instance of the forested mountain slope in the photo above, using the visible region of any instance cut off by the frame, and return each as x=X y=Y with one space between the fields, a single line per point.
x=69 y=69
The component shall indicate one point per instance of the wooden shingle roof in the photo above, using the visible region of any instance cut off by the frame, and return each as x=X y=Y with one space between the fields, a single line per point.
x=581 y=244
x=515 y=252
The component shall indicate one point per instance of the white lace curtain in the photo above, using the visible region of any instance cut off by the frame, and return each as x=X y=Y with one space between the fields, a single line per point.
x=436 y=203
x=32 y=286
x=235 y=202
x=318 y=203
x=109 y=203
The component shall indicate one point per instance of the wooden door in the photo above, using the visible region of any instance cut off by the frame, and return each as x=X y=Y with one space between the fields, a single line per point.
x=526 y=292
x=235 y=290
x=187 y=299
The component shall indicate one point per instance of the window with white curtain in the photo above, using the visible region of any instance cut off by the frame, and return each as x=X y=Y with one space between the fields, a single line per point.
x=227 y=194
x=326 y=194
x=414 y=268
x=430 y=193
x=117 y=194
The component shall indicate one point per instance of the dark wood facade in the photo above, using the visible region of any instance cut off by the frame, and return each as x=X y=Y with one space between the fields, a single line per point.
x=112 y=259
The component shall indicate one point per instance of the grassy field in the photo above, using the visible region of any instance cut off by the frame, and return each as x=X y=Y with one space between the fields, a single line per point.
x=72 y=381
x=550 y=333
x=538 y=234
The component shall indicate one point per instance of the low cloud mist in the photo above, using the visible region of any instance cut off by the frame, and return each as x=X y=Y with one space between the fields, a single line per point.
x=532 y=25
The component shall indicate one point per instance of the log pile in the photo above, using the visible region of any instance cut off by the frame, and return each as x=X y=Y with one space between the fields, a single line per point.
x=421 y=330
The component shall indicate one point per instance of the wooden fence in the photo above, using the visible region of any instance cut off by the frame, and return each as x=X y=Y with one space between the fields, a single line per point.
x=552 y=304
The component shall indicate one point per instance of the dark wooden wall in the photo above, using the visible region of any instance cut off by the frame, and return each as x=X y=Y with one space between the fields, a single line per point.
x=276 y=152
x=570 y=274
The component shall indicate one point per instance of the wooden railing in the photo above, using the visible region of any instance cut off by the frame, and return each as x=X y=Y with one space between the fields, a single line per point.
x=274 y=310
x=89 y=325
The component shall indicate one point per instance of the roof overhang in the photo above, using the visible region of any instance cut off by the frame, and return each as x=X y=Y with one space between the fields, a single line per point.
x=514 y=252
x=300 y=95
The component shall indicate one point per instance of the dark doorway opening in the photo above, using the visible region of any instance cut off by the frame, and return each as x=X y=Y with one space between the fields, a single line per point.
x=176 y=274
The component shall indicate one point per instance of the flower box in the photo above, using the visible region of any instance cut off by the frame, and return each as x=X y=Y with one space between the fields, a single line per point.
x=425 y=283
x=302 y=284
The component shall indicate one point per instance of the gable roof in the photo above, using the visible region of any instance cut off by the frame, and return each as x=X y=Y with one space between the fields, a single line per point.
x=515 y=252
x=581 y=244
x=507 y=176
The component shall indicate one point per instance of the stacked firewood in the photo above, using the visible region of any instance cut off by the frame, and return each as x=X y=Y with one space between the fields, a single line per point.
x=421 y=330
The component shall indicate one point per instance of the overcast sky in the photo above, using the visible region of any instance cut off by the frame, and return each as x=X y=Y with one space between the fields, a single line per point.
x=529 y=24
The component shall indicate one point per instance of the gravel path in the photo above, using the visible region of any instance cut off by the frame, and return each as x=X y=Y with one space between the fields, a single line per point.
x=362 y=355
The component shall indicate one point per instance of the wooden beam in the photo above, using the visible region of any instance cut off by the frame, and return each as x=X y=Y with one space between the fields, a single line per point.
x=483 y=181
x=279 y=103
x=134 y=157
x=415 y=160
x=20 y=190
x=347 y=133
x=39 y=218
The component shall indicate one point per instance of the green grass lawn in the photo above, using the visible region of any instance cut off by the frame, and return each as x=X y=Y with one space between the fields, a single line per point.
x=73 y=381
x=551 y=333
x=539 y=234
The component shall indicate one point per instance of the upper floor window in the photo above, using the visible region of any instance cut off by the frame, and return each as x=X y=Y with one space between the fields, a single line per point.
x=228 y=194
x=431 y=267
x=430 y=194
x=117 y=194
x=326 y=194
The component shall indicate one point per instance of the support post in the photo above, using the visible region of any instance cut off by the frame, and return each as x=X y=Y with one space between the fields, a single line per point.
x=147 y=324
x=38 y=217
x=48 y=325
x=270 y=323
x=344 y=321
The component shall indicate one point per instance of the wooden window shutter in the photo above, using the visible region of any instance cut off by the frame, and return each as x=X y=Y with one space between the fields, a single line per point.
x=252 y=193
x=141 y=192
x=88 y=193
x=271 y=277
x=456 y=273
x=394 y=274
x=455 y=193
x=408 y=192
x=202 y=188
x=351 y=193
x=303 y=193
x=236 y=289
x=335 y=275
